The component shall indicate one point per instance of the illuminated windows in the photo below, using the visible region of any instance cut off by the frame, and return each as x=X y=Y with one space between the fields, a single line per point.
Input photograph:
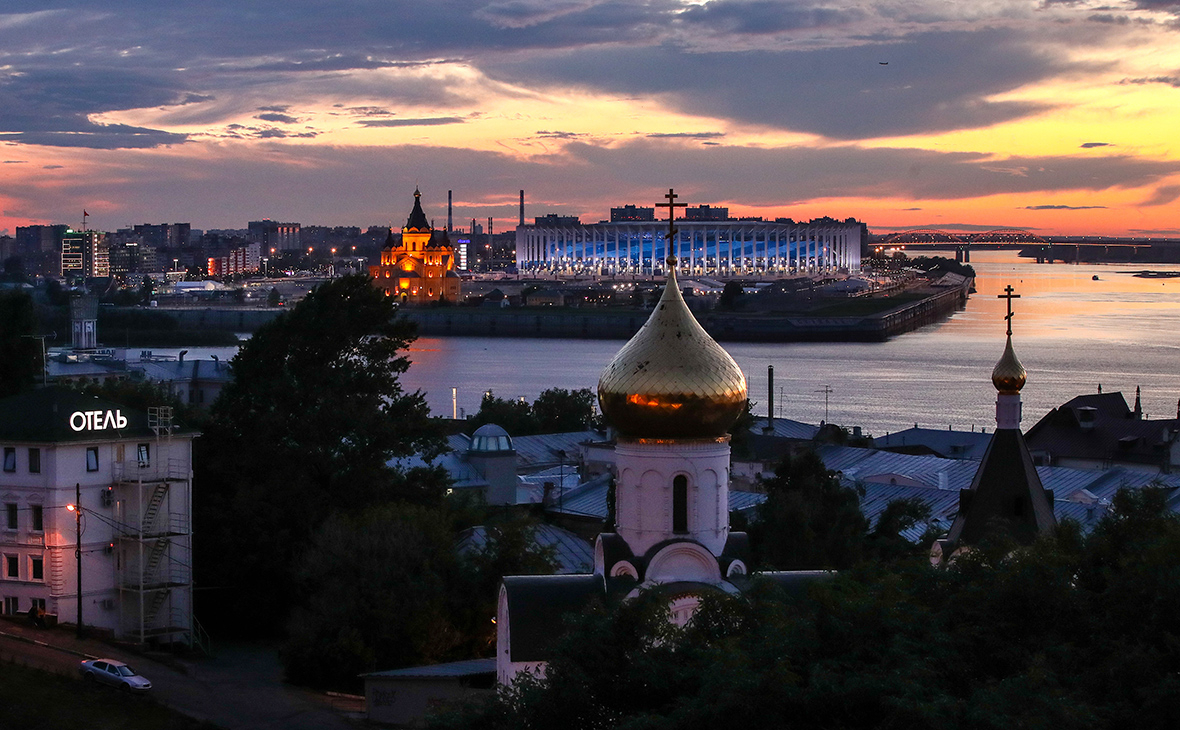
x=91 y=458
x=143 y=455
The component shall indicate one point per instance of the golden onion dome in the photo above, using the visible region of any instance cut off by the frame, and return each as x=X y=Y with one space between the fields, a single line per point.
x=672 y=380
x=1009 y=375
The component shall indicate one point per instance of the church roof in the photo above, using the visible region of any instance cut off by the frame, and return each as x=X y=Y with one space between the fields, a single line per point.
x=672 y=380
x=1007 y=490
x=417 y=220
x=537 y=605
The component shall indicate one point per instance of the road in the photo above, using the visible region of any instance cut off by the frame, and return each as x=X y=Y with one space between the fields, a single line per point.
x=240 y=688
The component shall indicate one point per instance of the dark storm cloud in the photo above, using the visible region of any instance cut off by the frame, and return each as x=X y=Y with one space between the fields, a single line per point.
x=935 y=82
x=424 y=122
x=1091 y=145
x=152 y=55
x=1063 y=207
x=53 y=106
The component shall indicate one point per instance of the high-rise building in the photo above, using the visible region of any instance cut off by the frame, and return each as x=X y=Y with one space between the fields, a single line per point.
x=165 y=235
x=84 y=253
x=275 y=237
x=706 y=213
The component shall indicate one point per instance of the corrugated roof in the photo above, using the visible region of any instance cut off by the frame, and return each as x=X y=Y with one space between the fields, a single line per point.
x=541 y=451
x=785 y=428
x=573 y=554
x=948 y=443
x=466 y=668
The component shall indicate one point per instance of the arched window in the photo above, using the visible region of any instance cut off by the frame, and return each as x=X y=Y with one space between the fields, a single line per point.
x=680 y=504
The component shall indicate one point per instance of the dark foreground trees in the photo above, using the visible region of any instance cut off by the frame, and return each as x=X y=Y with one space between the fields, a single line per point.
x=306 y=428
x=1071 y=632
x=555 y=410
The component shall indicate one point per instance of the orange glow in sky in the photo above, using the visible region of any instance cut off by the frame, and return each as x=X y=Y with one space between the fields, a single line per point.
x=1059 y=118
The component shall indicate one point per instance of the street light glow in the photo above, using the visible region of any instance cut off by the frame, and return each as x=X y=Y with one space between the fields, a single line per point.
x=71 y=507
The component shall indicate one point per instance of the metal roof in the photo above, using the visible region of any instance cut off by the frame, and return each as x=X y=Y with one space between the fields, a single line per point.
x=466 y=668
x=573 y=554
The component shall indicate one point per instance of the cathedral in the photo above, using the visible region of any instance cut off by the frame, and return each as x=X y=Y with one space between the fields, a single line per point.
x=421 y=269
x=671 y=394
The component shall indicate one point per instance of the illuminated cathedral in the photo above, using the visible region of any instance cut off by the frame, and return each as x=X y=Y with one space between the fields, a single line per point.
x=421 y=268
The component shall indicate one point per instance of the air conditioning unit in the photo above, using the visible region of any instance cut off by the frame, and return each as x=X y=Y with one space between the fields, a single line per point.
x=108 y=497
x=107 y=604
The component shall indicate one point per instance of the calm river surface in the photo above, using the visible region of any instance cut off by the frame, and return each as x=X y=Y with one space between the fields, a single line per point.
x=1071 y=333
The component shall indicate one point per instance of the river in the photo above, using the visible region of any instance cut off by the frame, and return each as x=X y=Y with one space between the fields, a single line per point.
x=1071 y=332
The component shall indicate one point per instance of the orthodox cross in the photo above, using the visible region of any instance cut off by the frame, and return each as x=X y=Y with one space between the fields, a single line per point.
x=671 y=205
x=1009 y=296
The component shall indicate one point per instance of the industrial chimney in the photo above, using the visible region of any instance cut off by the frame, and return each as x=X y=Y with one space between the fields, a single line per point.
x=449 y=220
x=521 y=208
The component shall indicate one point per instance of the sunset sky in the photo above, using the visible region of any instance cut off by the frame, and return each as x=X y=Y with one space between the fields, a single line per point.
x=1058 y=117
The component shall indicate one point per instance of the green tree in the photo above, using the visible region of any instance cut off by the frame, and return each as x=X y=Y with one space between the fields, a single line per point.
x=20 y=354
x=273 y=299
x=309 y=424
x=809 y=519
x=514 y=416
x=557 y=410
x=374 y=594
x=1073 y=632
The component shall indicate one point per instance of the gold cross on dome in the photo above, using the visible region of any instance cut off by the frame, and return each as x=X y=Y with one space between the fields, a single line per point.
x=671 y=205
x=1009 y=296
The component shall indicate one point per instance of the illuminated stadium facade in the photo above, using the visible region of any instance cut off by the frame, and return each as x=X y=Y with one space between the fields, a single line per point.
x=717 y=248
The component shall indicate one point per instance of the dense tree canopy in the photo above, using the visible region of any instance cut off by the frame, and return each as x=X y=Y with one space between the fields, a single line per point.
x=555 y=410
x=1071 y=632
x=307 y=426
x=809 y=519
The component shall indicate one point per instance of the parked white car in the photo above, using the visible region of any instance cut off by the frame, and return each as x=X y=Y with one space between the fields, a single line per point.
x=115 y=673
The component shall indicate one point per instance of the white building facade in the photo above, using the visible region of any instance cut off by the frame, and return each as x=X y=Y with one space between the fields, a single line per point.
x=700 y=248
x=131 y=474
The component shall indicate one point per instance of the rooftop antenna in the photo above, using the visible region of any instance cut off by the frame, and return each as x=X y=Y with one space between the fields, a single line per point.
x=827 y=391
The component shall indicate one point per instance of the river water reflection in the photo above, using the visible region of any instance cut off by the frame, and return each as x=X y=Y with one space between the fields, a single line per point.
x=1071 y=332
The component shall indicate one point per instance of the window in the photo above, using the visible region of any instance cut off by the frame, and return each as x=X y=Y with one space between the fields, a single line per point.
x=10 y=522
x=38 y=518
x=34 y=461
x=38 y=603
x=680 y=504
x=36 y=568
x=11 y=567
x=119 y=453
x=9 y=458
x=11 y=605
x=142 y=455
x=91 y=458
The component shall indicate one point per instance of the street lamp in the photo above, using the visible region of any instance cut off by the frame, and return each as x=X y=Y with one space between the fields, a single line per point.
x=76 y=508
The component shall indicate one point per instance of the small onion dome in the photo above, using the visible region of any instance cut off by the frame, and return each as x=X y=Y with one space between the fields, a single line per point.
x=672 y=380
x=1009 y=375
x=490 y=438
x=417 y=220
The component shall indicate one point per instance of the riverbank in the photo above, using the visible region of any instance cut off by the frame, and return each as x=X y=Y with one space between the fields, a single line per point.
x=571 y=323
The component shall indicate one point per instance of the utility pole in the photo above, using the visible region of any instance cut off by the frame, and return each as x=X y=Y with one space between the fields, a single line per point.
x=76 y=508
x=827 y=391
